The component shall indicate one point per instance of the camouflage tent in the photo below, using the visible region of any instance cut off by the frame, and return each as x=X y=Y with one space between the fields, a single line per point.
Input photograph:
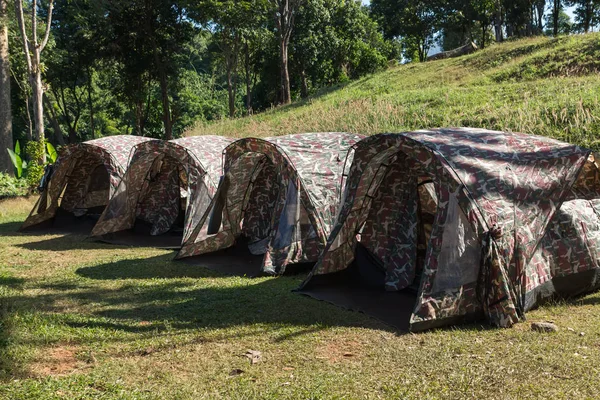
x=281 y=194
x=168 y=185
x=443 y=225
x=84 y=178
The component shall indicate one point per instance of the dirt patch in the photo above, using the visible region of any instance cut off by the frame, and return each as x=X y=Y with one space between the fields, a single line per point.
x=58 y=361
x=339 y=351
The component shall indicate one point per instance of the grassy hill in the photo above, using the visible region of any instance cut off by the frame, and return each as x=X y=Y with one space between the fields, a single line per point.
x=540 y=85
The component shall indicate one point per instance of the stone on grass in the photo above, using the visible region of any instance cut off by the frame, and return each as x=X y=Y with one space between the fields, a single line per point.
x=544 y=327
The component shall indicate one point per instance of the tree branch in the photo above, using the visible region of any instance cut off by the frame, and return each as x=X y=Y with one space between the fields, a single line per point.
x=48 y=23
x=21 y=21
x=34 y=24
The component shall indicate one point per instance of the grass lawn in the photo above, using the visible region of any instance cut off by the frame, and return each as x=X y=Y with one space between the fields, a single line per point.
x=87 y=320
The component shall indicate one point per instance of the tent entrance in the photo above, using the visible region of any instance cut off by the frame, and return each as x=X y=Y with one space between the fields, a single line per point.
x=247 y=199
x=256 y=220
x=392 y=241
x=84 y=196
x=398 y=219
x=160 y=209
x=162 y=204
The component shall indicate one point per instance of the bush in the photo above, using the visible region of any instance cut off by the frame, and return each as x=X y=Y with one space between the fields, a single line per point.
x=35 y=151
x=12 y=187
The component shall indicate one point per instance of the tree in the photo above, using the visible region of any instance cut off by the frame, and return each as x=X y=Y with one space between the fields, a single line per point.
x=563 y=27
x=556 y=9
x=71 y=67
x=522 y=17
x=147 y=48
x=33 y=49
x=468 y=20
x=254 y=43
x=6 y=138
x=539 y=7
x=313 y=38
x=415 y=21
x=285 y=13
x=587 y=14
x=232 y=23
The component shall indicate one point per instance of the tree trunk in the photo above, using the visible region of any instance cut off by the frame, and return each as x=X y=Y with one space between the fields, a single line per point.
x=555 y=11
x=422 y=50
x=29 y=122
x=588 y=16
x=58 y=135
x=37 y=89
x=541 y=5
x=139 y=118
x=498 y=23
x=91 y=105
x=33 y=50
x=248 y=75
x=286 y=95
x=64 y=108
x=6 y=138
x=304 y=89
x=284 y=18
x=231 y=95
x=164 y=92
x=483 y=31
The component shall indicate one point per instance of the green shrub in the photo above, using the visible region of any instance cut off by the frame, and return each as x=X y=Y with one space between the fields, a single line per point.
x=12 y=187
x=35 y=151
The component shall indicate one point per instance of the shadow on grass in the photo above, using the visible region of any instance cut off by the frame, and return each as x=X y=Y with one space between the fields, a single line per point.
x=147 y=268
x=11 y=282
x=12 y=229
x=214 y=303
x=10 y=367
x=64 y=243
x=589 y=300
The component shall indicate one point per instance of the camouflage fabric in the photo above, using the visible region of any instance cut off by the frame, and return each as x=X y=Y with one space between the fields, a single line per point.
x=160 y=173
x=74 y=173
x=571 y=245
x=293 y=182
x=391 y=233
x=509 y=182
x=162 y=192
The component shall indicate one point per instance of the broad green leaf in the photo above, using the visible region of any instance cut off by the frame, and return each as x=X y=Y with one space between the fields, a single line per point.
x=17 y=162
x=51 y=152
x=18 y=148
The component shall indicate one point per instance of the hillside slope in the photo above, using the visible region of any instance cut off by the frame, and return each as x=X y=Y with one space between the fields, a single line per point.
x=540 y=85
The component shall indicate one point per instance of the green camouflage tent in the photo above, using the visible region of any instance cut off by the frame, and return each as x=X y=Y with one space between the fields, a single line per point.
x=84 y=178
x=443 y=225
x=280 y=194
x=169 y=184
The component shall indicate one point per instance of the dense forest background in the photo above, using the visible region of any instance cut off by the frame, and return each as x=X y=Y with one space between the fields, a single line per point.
x=156 y=67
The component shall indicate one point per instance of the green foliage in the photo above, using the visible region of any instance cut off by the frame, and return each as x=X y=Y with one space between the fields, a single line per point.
x=109 y=73
x=35 y=170
x=587 y=14
x=416 y=21
x=17 y=160
x=12 y=187
x=51 y=154
x=565 y=25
